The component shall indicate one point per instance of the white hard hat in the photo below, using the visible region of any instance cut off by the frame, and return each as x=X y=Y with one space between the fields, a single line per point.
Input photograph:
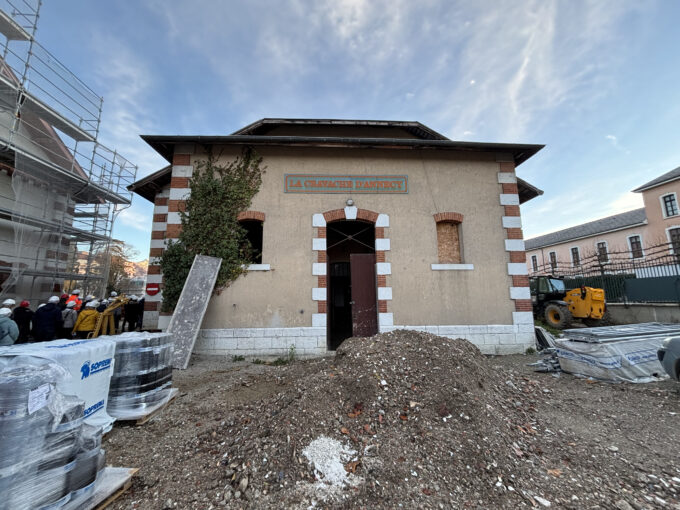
x=71 y=304
x=53 y=299
x=5 y=312
x=40 y=305
x=104 y=301
x=114 y=293
x=133 y=298
x=91 y=304
x=89 y=297
x=9 y=302
x=76 y=292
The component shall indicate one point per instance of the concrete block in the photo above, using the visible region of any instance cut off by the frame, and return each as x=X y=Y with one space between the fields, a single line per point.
x=517 y=268
x=158 y=226
x=154 y=278
x=384 y=293
x=479 y=329
x=318 y=220
x=351 y=213
x=383 y=220
x=319 y=294
x=500 y=328
x=182 y=170
x=159 y=243
x=523 y=318
x=318 y=244
x=313 y=332
x=505 y=349
x=506 y=178
x=520 y=293
x=382 y=245
x=321 y=342
x=383 y=268
x=306 y=342
x=512 y=222
x=509 y=199
x=491 y=339
x=283 y=342
x=454 y=331
x=319 y=269
x=452 y=267
x=319 y=320
x=514 y=245
x=179 y=193
x=426 y=329
x=174 y=218
x=385 y=319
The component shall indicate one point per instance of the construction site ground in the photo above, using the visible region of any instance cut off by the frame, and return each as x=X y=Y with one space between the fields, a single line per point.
x=424 y=422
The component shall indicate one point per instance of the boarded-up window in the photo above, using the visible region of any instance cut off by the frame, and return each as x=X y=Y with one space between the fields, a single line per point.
x=534 y=262
x=448 y=242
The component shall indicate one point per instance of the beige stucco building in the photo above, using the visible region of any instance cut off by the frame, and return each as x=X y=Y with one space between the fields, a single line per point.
x=645 y=234
x=365 y=226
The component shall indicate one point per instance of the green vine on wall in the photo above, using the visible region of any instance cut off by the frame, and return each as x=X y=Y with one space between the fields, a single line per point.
x=219 y=192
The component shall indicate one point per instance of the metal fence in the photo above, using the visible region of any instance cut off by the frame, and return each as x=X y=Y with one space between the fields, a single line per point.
x=651 y=275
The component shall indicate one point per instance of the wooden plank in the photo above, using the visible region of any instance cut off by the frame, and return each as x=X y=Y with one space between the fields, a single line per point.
x=118 y=493
x=111 y=483
x=155 y=412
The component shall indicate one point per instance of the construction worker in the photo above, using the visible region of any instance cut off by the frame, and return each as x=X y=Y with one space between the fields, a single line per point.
x=87 y=320
x=47 y=321
x=131 y=314
x=70 y=316
x=9 y=303
x=75 y=296
x=23 y=316
x=117 y=312
x=9 y=332
x=103 y=305
x=62 y=302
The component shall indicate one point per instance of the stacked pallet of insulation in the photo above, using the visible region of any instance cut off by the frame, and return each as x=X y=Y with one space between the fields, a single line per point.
x=48 y=456
x=142 y=374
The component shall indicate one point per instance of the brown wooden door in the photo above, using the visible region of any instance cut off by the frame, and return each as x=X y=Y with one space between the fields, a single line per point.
x=364 y=303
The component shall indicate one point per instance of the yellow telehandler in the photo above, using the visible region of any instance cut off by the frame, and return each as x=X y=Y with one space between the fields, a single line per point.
x=558 y=306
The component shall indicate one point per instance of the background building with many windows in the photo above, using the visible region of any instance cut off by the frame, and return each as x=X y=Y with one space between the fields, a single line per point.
x=640 y=235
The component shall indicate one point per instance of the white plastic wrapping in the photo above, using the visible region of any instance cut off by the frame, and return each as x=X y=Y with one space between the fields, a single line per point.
x=90 y=363
x=632 y=360
x=142 y=376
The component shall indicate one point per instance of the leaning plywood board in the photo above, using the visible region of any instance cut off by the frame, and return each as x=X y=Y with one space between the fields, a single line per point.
x=193 y=302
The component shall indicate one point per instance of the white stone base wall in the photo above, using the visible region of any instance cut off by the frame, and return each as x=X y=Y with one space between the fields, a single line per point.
x=262 y=342
x=490 y=339
x=310 y=342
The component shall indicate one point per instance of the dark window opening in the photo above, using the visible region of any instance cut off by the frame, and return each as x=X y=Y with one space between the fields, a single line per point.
x=670 y=205
x=575 y=257
x=636 y=247
x=553 y=260
x=602 y=254
x=254 y=231
x=674 y=234
x=534 y=263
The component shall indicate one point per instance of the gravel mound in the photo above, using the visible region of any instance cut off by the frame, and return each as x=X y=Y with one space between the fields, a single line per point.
x=415 y=419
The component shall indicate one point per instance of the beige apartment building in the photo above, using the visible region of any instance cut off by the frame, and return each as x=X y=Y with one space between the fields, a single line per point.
x=364 y=227
x=650 y=232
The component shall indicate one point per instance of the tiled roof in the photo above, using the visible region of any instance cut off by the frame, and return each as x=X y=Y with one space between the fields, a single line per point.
x=662 y=179
x=616 y=222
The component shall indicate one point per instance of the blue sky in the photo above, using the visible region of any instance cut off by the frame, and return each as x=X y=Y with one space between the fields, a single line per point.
x=596 y=82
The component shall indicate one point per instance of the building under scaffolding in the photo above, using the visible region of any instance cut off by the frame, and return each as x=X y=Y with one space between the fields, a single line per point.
x=60 y=190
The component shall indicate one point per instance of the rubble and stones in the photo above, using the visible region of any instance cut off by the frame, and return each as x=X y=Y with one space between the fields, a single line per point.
x=431 y=421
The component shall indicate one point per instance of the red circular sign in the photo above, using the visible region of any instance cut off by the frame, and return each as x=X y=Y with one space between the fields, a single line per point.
x=152 y=289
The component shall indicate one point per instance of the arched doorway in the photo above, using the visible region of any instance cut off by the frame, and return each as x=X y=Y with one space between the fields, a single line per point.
x=352 y=300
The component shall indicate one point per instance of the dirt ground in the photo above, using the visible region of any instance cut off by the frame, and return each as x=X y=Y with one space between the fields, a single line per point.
x=548 y=440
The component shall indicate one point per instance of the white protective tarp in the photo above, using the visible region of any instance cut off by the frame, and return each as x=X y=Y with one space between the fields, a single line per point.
x=632 y=360
x=90 y=363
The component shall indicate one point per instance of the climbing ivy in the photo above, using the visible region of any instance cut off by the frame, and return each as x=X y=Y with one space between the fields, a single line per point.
x=219 y=192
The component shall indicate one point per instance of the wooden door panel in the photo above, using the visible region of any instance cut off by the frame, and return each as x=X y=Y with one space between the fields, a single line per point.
x=364 y=300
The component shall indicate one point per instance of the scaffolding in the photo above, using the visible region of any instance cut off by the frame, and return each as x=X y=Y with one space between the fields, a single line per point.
x=60 y=189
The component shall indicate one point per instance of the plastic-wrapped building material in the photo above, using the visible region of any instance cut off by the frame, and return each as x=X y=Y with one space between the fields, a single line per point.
x=626 y=358
x=38 y=434
x=90 y=363
x=142 y=376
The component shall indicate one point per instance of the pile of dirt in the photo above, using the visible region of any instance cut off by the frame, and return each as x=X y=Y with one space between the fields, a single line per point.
x=413 y=419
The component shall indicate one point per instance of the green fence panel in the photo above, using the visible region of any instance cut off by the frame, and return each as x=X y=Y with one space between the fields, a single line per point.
x=662 y=289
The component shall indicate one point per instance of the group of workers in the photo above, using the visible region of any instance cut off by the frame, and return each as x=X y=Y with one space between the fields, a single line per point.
x=67 y=316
